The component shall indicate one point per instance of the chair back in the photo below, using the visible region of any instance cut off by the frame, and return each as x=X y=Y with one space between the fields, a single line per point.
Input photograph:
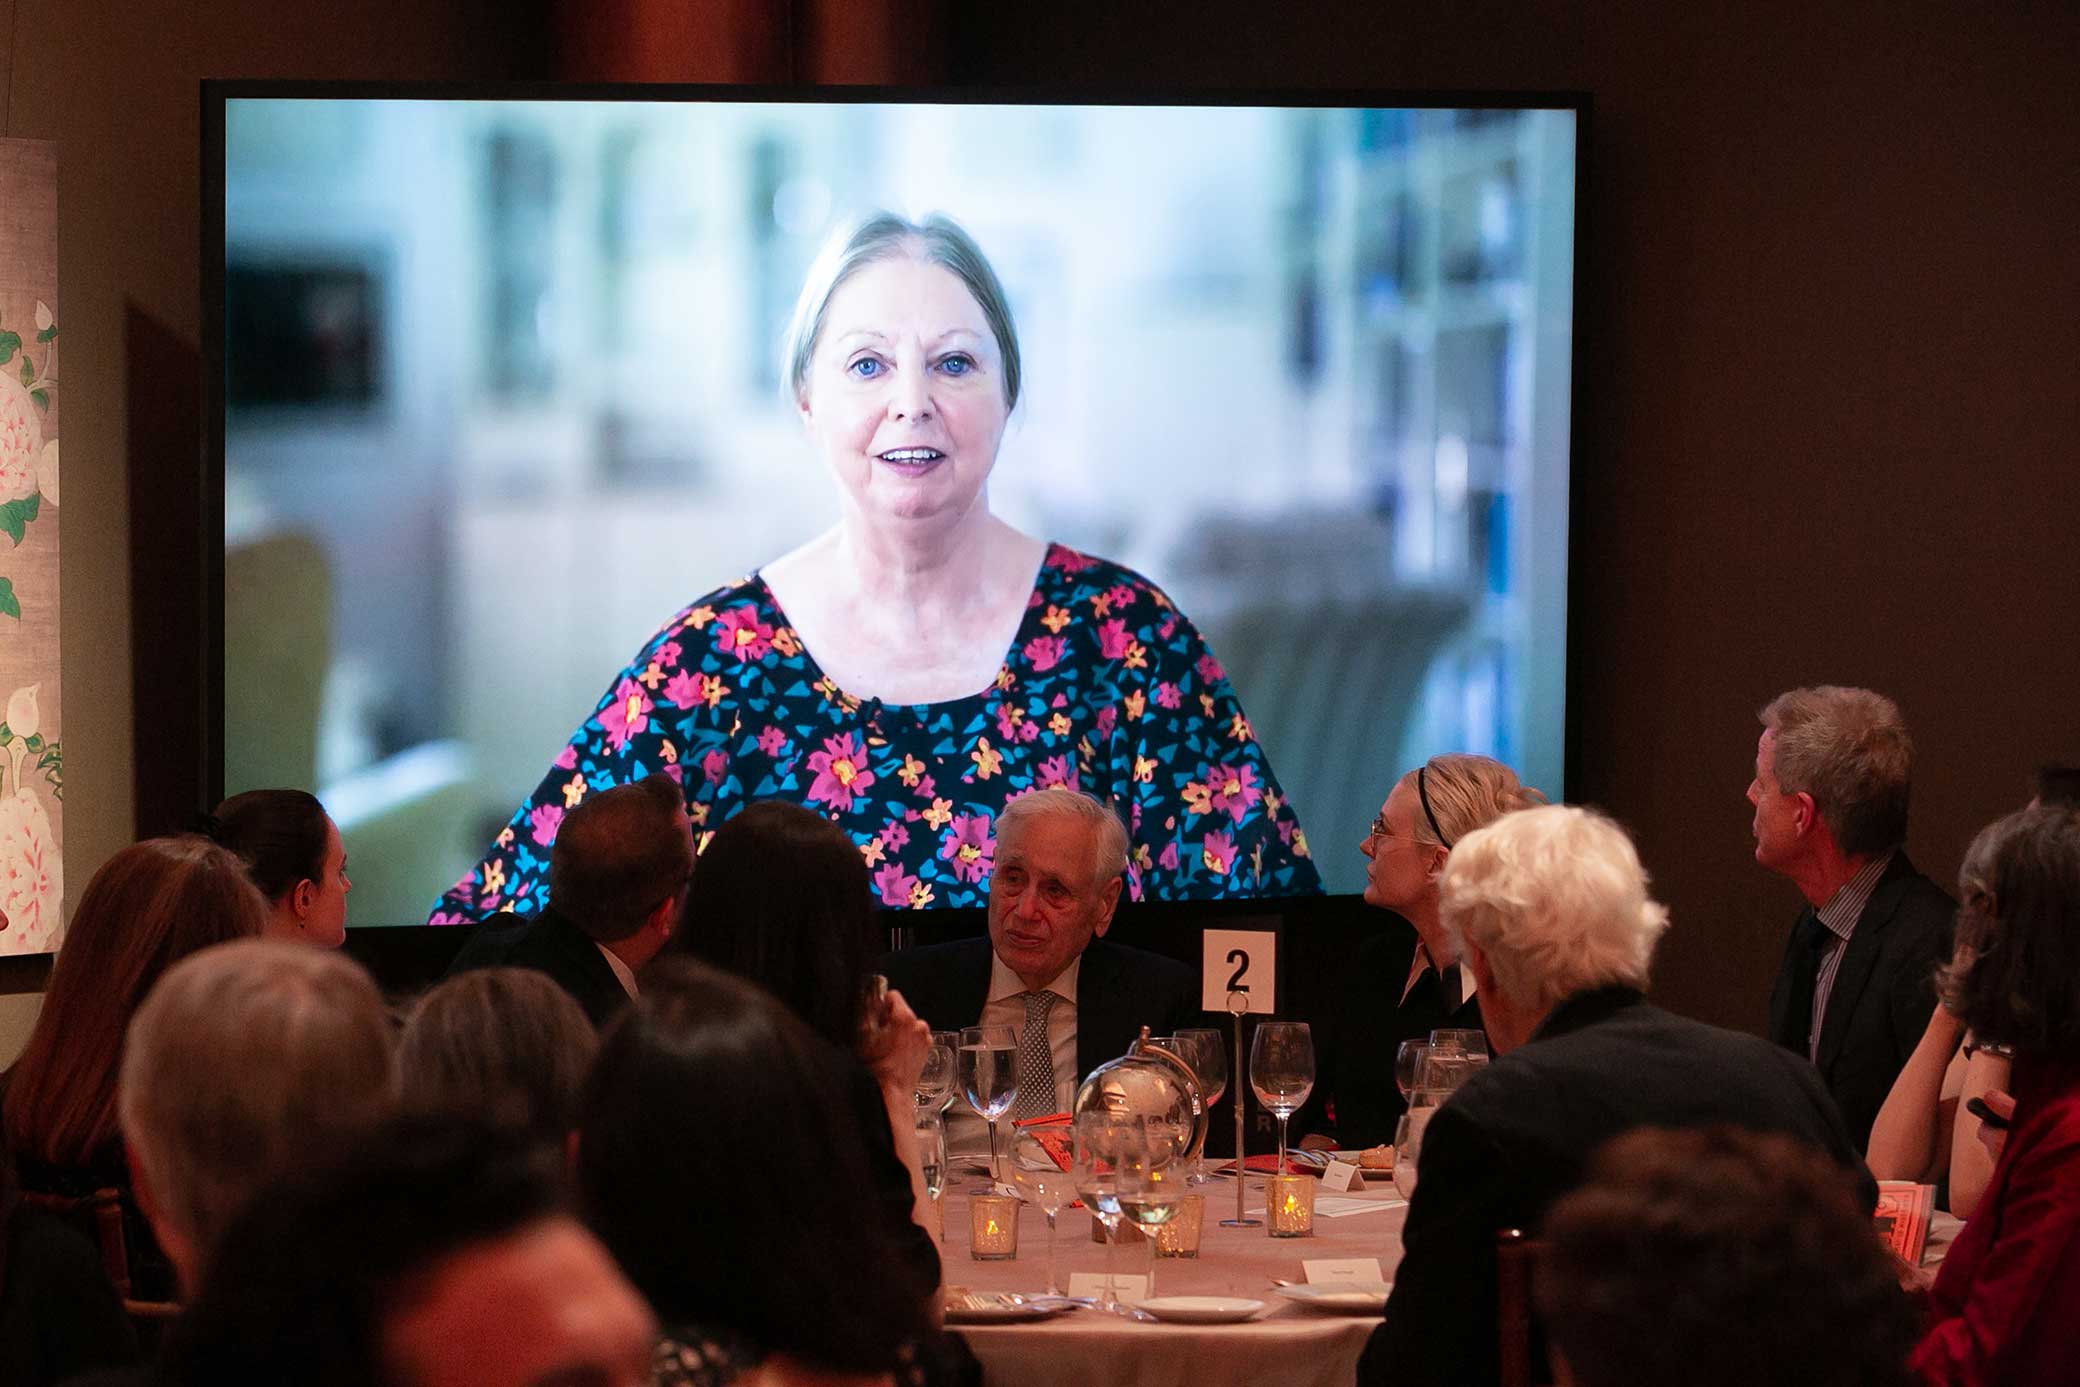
x=100 y=1216
x=1516 y=1259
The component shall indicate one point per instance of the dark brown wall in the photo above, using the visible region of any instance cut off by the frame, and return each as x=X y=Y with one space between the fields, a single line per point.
x=1830 y=364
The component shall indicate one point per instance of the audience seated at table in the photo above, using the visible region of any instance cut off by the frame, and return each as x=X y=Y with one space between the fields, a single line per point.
x=782 y=899
x=294 y=854
x=149 y=906
x=430 y=1252
x=59 y=1316
x=720 y=1160
x=248 y=1059
x=619 y=861
x=1407 y=982
x=505 y=1044
x=2006 y=1300
x=1833 y=768
x=1552 y=910
x=1060 y=856
x=1720 y=1258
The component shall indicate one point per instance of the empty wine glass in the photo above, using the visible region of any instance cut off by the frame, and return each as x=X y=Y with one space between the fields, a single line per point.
x=1207 y=1054
x=935 y=1079
x=989 y=1080
x=1281 y=1072
x=1408 y=1149
x=952 y=1041
x=1408 y=1064
x=1041 y=1182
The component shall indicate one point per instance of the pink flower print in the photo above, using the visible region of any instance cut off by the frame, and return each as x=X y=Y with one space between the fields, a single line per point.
x=772 y=741
x=1218 y=853
x=1168 y=860
x=668 y=653
x=1167 y=695
x=1210 y=668
x=894 y=885
x=715 y=765
x=1121 y=595
x=968 y=846
x=682 y=690
x=1167 y=629
x=1056 y=770
x=1009 y=716
x=927 y=788
x=567 y=759
x=895 y=835
x=1113 y=639
x=739 y=632
x=841 y=772
x=1108 y=718
x=1060 y=701
x=1029 y=731
x=543 y=820
x=1234 y=788
x=1069 y=561
x=627 y=716
x=1045 y=652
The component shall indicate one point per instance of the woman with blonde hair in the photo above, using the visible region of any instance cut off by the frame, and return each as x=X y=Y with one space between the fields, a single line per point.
x=1406 y=982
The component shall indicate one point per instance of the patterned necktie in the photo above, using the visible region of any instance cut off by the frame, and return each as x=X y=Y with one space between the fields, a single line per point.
x=1035 y=1060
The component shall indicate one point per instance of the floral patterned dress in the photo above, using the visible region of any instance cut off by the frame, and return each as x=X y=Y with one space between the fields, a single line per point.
x=1107 y=688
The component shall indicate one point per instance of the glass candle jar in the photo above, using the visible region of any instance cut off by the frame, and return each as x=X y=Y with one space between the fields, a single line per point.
x=1289 y=1205
x=992 y=1227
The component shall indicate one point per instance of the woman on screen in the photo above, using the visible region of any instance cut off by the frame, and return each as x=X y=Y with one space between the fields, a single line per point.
x=922 y=663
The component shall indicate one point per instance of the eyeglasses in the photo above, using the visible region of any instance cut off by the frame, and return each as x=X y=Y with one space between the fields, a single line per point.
x=1378 y=829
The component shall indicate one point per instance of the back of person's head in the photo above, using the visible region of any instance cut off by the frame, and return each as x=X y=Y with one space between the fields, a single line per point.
x=246 y=1060
x=659 y=1175
x=619 y=854
x=149 y=906
x=505 y=1043
x=1720 y=1258
x=782 y=897
x=1557 y=901
x=279 y=833
x=1849 y=750
x=2015 y=976
x=1459 y=792
x=312 y=1277
x=2058 y=787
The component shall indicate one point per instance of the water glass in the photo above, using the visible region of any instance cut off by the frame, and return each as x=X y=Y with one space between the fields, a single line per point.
x=1408 y=1064
x=1041 y=1182
x=935 y=1078
x=1408 y=1149
x=989 y=1080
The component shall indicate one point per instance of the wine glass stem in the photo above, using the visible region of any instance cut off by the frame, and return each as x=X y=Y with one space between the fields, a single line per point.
x=1054 y=1285
x=1108 y=1300
x=996 y=1172
x=1150 y=1234
x=1281 y=1167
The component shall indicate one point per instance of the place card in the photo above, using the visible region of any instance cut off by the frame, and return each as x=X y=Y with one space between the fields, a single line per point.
x=1342 y=1176
x=1334 y=1271
x=1091 y=1285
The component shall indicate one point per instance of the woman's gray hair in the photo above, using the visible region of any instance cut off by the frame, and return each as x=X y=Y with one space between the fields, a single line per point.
x=1848 y=749
x=1111 y=834
x=1556 y=899
x=937 y=240
x=246 y=1059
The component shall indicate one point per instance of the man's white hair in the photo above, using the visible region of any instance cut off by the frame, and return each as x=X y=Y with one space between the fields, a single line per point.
x=1555 y=897
x=1109 y=835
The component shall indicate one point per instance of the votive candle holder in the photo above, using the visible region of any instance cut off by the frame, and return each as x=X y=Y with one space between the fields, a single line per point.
x=1180 y=1236
x=1289 y=1205
x=993 y=1227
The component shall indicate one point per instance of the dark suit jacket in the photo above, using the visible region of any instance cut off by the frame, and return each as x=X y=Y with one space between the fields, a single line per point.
x=1517 y=1134
x=1118 y=991
x=551 y=943
x=1882 y=998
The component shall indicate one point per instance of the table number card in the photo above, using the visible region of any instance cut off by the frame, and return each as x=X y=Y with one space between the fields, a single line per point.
x=1091 y=1285
x=1342 y=1176
x=1342 y=1271
x=1240 y=966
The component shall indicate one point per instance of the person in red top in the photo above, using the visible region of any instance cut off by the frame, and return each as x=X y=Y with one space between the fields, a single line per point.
x=2005 y=1308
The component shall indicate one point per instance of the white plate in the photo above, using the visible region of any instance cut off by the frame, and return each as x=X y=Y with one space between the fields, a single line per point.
x=1351 y=1298
x=993 y=1307
x=1199 y=1309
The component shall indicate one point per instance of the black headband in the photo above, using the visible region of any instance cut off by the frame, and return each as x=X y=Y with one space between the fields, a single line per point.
x=1423 y=793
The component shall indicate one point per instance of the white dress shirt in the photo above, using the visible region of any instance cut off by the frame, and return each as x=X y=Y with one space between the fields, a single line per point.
x=623 y=974
x=1006 y=1006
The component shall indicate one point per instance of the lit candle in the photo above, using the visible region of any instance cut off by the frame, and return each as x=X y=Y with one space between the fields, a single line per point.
x=1289 y=1202
x=992 y=1227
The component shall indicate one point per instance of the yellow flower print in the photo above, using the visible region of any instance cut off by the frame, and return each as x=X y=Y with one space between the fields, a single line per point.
x=1136 y=705
x=1144 y=769
x=1056 y=619
x=938 y=815
x=700 y=617
x=494 y=877
x=697 y=812
x=988 y=760
x=668 y=752
x=1058 y=724
x=1101 y=604
x=573 y=791
x=1271 y=803
x=1239 y=729
x=1137 y=655
x=1143 y=858
x=787 y=642
x=1300 y=843
x=1005 y=679
x=920 y=895
x=1206 y=703
x=828 y=687
x=651 y=677
x=1160 y=598
x=705 y=839
x=910 y=770
x=713 y=690
x=505 y=837
x=1197 y=798
x=871 y=851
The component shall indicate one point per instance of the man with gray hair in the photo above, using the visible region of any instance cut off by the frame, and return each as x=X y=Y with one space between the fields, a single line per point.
x=1073 y=999
x=247 y=1060
x=1551 y=907
x=1853 y=995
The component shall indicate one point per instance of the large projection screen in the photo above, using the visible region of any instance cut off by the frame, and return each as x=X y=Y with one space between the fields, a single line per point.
x=501 y=392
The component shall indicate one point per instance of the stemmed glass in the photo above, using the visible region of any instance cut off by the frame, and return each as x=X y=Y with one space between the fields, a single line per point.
x=931 y=1154
x=1099 y=1137
x=935 y=1079
x=1472 y=1041
x=1451 y=1058
x=1408 y=1065
x=1207 y=1054
x=1042 y=1183
x=1149 y=1181
x=951 y=1040
x=989 y=1080
x=1281 y=1072
x=1408 y=1148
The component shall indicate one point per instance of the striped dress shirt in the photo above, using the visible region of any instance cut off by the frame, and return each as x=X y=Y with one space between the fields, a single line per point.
x=1840 y=915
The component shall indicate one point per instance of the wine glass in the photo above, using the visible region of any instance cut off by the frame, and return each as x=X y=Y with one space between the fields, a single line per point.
x=1472 y=1041
x=952 y=1041
x=1408 y=1149
x=935 y=1079
x=1408 y=1065
x=1098 y=1139
x=931 y=1154
x=989 y=1080
x=1207 y=1054
x=1281 y=1072
x=1041 y=1182
x=1149 y=1182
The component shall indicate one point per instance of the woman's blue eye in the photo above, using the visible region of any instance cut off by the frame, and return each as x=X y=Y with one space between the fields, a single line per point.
x=957 y=365
x=866 y=368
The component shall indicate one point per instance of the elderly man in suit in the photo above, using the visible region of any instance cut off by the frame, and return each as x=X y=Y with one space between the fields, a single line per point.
x=618 y=871
x=1046 y=971
x=1559 y=931
x=1854 y=992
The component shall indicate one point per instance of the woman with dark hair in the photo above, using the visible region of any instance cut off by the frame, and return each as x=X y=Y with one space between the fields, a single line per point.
x=292 y=850
x=505 y=1044
x=781 y=897
x=149 y=906
x=2008 y=1294
x=791 y=1283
